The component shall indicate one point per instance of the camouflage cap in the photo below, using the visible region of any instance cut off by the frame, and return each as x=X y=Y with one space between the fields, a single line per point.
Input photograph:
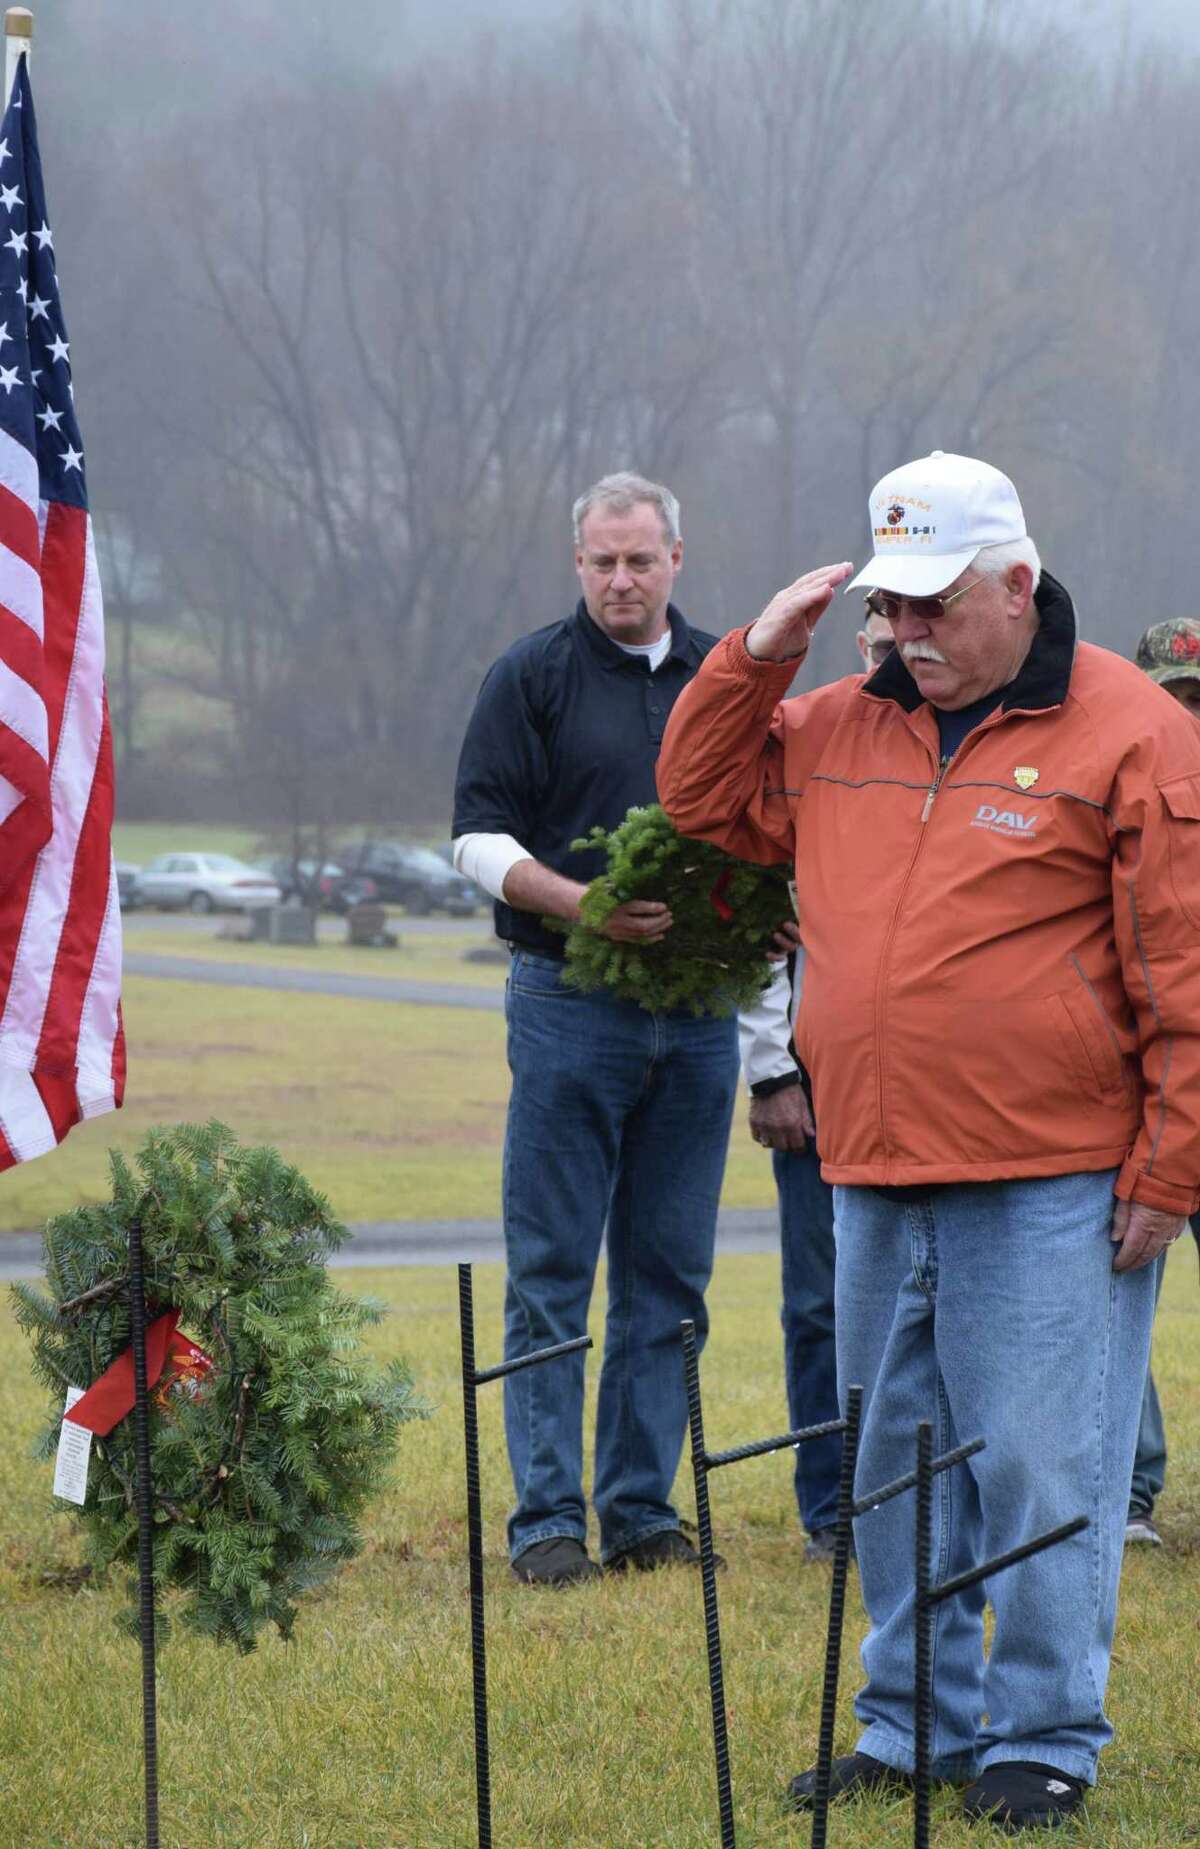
x=1171 y=651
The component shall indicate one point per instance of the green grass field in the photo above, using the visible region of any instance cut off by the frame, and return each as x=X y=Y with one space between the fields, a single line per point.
x=416 y=958
x=141 y=841
x=357 y=1736
x=395 y=1111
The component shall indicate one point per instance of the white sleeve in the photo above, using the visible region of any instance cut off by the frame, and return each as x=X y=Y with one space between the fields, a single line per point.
x=488 y=859
x=765 y=1032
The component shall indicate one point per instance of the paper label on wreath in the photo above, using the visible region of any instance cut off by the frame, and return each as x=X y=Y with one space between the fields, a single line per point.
x=74 y=1455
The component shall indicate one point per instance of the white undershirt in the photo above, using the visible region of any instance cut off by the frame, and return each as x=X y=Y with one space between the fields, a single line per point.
x=488 y=859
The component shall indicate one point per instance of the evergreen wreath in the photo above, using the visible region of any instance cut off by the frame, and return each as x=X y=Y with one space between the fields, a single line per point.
x=715 y=956
x=261 y=1470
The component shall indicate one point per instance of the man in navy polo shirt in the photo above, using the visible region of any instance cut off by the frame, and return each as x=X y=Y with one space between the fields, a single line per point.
x=618 y=1118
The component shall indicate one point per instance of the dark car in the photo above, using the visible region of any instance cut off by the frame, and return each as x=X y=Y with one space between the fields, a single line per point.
x=336 y=890
x=414 y=877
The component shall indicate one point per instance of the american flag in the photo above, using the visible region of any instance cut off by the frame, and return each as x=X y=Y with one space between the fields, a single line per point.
x=62 y=1049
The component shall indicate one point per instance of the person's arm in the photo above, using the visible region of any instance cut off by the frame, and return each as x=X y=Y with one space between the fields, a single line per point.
x=531 y=887
x=780 y=1117
x=488 y=859
x=509 y=871
x=721 y=771
x=765 y=1038
x=1156 y=904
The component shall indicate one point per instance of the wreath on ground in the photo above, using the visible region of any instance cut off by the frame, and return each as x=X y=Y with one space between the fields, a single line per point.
x=268 y=1434
x=715 y=956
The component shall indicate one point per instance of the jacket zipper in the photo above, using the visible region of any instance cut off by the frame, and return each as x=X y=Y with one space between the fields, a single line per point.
x=943 y=766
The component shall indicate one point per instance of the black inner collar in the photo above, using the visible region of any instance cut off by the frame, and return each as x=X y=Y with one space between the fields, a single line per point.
x=1041 y=681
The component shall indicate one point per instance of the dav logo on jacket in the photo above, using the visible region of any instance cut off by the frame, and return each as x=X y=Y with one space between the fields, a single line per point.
x=1008 y=822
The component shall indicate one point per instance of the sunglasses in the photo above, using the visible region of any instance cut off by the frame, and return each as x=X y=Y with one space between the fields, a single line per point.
x=925 y=609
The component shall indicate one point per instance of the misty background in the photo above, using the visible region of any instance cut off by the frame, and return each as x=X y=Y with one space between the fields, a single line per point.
x=357 y=311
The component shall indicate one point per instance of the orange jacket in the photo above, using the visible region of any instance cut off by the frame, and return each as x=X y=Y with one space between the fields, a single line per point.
x=1003 y=960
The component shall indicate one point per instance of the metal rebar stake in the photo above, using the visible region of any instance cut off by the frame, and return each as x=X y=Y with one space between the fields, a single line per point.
x=145 y=1512
x=923 y=1653
x=708 y=1581
x=472 y=1379
x=483 y=1777
x=843 y=1537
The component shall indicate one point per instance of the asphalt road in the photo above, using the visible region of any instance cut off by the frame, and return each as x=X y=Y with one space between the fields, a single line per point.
x=387 y=1243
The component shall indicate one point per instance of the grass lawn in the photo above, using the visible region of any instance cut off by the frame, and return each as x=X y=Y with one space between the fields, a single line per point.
x=396 y=1112
x=357 y=1736
x=416 y=958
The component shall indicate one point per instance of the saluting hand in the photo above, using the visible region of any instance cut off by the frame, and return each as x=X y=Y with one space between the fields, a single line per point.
x=783 y=630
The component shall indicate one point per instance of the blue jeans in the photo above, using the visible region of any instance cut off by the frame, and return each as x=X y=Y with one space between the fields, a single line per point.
x=810 y=1359
x=1150 y=1459
x=617 y=1116
x=994 y=1312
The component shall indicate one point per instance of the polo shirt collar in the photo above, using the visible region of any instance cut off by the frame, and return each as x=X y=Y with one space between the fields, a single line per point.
x=610 y=655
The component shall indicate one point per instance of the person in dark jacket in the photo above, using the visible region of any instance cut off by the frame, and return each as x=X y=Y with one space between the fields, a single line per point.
x=619 y=1118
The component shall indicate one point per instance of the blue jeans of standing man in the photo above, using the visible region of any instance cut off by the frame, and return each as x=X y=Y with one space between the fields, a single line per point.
x=810 y=1358
x=993 y=1311
x=617 y=1116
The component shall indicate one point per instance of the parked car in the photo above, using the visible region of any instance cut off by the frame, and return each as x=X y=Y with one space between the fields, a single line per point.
x=205 y=883
x=338 y=891
x=414 y=877
x=128 y=896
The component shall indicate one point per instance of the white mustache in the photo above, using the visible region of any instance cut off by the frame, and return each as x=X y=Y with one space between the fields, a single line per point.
x=921 y=651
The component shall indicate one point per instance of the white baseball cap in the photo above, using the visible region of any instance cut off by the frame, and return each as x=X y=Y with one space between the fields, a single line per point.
x=930 y=518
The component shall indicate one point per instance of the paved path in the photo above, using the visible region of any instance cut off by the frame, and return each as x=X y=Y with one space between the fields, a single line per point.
x=385 y=1243
x=313 y=981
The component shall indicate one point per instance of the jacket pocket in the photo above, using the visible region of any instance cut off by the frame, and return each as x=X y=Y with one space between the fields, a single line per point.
x=1181 y=798
x=1091 y=1042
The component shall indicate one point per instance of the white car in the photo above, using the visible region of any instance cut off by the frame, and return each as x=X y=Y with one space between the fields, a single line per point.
x=205 y=883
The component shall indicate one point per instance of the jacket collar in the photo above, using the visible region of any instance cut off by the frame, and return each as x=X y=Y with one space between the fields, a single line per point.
x=1044 y=675
x=611 y=656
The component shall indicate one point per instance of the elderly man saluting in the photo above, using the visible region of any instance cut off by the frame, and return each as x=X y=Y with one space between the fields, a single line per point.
x=997 y=848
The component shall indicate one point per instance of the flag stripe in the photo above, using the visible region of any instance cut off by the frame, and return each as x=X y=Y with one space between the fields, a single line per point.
x=24 y=711
x=19 y=534
x=21 y=647
x=64 y=560
x=19 y=471
x=27 y=1125
x=88 y=910
x=75 y=698
x=22 y=585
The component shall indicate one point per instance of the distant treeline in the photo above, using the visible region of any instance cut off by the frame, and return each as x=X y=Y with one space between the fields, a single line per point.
x=373 y=338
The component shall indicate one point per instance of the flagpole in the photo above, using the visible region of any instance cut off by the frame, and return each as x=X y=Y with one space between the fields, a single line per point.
x=18 y=32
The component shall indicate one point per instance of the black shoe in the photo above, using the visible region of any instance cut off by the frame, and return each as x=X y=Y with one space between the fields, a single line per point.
x=856 y=1775
x=561 y=1561
x=1018 y=1794
x=667 y=1548
x=820 y=1545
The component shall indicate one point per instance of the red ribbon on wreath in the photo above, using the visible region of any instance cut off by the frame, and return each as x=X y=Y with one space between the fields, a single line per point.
x=717 y=897
x=169 y=1357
